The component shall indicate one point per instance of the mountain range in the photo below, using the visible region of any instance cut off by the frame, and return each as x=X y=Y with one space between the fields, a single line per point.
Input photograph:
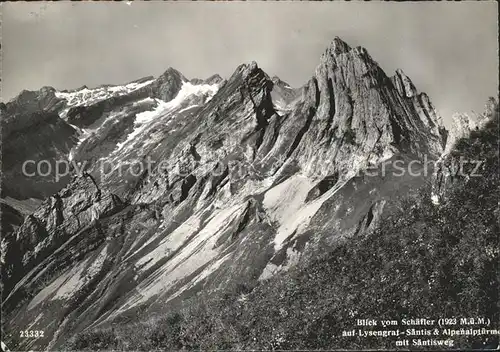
x=121 y=204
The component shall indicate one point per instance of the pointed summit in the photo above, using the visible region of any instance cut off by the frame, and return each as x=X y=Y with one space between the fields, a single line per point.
x=246 y=69
x=403 y=84
x=167 y=85
x=172 y=72
x=338 y=46
x=347 y=92
x=250 y=73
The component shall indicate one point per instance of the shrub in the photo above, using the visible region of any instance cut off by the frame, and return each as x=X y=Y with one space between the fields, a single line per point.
x=94 y=341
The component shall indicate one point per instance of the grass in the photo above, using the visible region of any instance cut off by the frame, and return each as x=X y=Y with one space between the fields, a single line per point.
x=424 y=261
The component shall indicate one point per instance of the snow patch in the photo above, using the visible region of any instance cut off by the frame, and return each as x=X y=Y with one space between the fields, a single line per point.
x=188 y=89
x=141 y=123
x=188 y=108
x=143 y=101
x=164 y=110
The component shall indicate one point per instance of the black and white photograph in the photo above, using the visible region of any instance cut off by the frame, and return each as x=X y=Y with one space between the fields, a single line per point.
x=249 y=176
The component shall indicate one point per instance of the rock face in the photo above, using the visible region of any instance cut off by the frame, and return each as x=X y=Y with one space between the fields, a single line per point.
x=195 y=186
x=75 y=208
x=11 y=218
x=32 y=101
x=32 y=131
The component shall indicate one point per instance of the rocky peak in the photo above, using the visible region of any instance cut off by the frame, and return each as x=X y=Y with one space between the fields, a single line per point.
x=299 y=150
x=250 y=77
x=167 y=85
x=173 y=73
x=214 y=79
x=355 y=101
x=338 y=46
x=253 y=66
x=248 y=69
x=29 y=101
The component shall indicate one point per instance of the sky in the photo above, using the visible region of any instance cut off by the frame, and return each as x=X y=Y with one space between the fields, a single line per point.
x=448 y=49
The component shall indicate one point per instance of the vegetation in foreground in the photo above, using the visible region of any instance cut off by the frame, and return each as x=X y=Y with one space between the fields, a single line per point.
x=425 y=261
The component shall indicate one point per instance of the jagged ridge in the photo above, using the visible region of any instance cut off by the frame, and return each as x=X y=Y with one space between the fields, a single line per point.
x=153 y=239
